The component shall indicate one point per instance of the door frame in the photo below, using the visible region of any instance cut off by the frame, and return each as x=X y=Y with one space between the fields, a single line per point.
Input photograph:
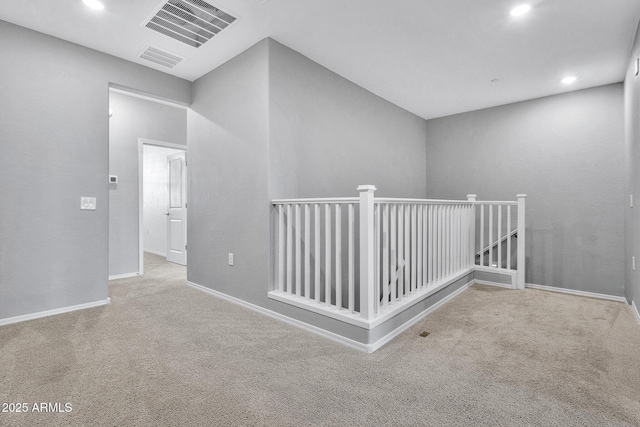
x=141 y=143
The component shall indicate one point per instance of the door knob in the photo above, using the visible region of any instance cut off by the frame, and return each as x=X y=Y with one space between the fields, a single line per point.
x=166 y=213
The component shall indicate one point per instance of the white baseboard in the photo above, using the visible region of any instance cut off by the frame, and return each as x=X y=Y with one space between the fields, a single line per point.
x=386 y=314
x=367 y=348
x=391 y=335
x=635 y=311
x=488 y=283
x=156 y=253
x=53 y=312
x=293 y=322
x=123 y=276
x=578 y=293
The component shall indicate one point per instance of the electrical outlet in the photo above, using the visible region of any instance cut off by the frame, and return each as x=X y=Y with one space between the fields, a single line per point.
x=230 y=258
x=88 y=203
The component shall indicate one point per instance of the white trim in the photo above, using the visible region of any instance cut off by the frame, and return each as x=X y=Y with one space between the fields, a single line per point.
x=498 y=284
x=140 y=208
x=141 y=143
x=123 y=276
x=391 y=335
x=355 y=319
x=155 y=253
x=496 y=270
x=53 y=312
x=181 y=147
x=501 y=271
x=577 y=293
x=143 y=95
x=635 y=310
x=293 y=322
x=367 y=348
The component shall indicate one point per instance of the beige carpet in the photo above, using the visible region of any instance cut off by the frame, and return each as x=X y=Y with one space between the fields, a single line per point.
x=164 y=354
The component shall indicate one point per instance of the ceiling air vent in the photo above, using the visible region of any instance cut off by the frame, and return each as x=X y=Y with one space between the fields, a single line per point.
x=193 y=22
x=160 y=56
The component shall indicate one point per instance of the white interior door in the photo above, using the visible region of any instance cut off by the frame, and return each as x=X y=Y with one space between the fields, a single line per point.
x=177 y=209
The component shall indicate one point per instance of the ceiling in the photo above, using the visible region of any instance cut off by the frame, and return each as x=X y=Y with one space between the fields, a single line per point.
x=431 y=57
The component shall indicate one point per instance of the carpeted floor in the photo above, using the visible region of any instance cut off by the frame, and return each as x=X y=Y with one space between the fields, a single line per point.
x=164 y=354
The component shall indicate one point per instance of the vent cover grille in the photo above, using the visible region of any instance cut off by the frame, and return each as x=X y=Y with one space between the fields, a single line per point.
x=160 y=56
x=193 y=22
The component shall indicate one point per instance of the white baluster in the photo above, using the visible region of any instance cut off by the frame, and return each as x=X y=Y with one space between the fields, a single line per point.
x=317 y=264
x=447 y=241
x=499 y=236
x=508 y=236
x=298 y=252
x=376 y=233
x=281 y=277
x=430 y=244
x=351 y=261
x=481 y=235
x=327 y=254
x=426 y=271
x=456 y=238
x=338 y=256
x=491 y=236
x=419 y=243
x=407 y=250
x=385 y=255
x=307 y=252
x=400 y=251
x=393 y=266
x=289 y=250
x=439 y=247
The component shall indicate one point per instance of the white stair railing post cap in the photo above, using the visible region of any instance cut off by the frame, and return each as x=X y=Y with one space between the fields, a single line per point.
x=366 y=188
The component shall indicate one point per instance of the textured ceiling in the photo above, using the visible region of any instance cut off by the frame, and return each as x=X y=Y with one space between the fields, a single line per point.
x=433 y=58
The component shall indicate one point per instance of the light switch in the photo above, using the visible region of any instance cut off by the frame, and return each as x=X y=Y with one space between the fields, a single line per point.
x=230 y=258
x=88 y=203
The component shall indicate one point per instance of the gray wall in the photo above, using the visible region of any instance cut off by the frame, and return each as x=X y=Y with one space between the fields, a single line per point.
x=54 y=137
x=133 y=118
x=271 y=123
x=228 y=177
x=632 y=157
x=566 y=152
x=329 y=135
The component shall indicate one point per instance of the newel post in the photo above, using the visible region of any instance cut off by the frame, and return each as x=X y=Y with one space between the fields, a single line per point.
x=472 y=229
x=520 y=277
x=367 y=284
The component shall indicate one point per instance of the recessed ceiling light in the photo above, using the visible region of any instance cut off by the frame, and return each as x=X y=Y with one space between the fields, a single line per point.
x=520 y=10
x=568 y=80
x=94 y=4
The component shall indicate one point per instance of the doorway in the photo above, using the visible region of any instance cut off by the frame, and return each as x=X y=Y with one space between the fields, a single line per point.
x=133 y=116
x=163 y=203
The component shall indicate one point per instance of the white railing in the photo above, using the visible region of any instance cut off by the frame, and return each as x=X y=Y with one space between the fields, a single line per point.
x=364 y=259
x=315 y=225
x=498 y=223
x=419 y=243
